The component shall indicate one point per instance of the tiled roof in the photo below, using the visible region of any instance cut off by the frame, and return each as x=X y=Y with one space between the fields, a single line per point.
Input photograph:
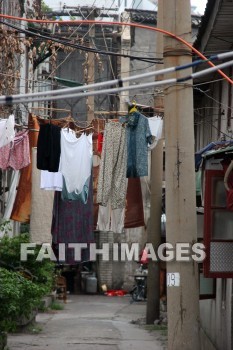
x=150 y=17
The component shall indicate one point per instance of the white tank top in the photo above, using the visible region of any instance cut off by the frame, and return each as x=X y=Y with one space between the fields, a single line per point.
x=76 y=159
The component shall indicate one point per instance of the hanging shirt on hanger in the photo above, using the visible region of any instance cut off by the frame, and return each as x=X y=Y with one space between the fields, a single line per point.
x=156 y=127
x=76 y=159
x=138 y=138
x=48 y=147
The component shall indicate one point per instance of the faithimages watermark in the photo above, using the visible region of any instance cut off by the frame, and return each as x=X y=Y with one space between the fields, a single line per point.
x=117 y=252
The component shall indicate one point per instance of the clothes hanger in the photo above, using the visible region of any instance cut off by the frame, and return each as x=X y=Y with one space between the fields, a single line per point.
x=84 y=130
x=133 y=107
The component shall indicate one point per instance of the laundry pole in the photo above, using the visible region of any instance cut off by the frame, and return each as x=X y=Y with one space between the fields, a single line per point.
x=91 y=71
x=181 y=226
x=125 y=61
x=156 y=180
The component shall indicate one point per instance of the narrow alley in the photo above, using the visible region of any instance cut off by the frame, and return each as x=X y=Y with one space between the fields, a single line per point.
x=92 y=322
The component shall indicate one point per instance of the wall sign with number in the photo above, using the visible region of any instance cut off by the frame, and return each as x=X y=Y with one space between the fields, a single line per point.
x=173 y=279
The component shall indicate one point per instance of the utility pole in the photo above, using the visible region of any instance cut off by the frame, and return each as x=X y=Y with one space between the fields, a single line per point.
x=183 y=298
x=154 y=229
x=91 y=71
x=125 y=61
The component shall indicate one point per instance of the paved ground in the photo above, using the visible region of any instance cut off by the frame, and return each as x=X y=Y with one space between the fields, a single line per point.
x=91 y=323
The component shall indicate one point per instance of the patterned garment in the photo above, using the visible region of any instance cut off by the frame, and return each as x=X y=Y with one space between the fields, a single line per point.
x=16 y=155
x=112 y=181
x=138 y=138
x=72 y=222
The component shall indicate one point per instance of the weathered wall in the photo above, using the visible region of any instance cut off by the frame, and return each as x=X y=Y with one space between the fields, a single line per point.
x=216 y=316
x=119 y=274
x=211 y=112
x=71 y=67
x=144 y=44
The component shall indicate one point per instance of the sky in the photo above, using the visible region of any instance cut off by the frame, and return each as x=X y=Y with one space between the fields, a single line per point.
x=200 y=4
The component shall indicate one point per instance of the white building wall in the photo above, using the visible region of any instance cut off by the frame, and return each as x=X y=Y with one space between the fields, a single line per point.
x=216 y=317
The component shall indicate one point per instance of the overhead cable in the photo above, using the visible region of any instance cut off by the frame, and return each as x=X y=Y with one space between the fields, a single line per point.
x=126 y=79
x=65 y=42
x=74 y=92
x=172 y=35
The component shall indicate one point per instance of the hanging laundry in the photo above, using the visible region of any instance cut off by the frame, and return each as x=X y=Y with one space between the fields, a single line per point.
x=7 y=130
x=11 y=194
x=41 y=208
x=76 y=159
x=111 y=220
x=82 y=196
x=134 y=213
x=129 y=217
x=100 y=142
x=95 y=171
x=112 y=181
x=51 y=181
x=138 y=138
x=22 y=206
x=16 y=155
x=156 y=128
x=98 y=126
x=72 y=222
x=48 y=147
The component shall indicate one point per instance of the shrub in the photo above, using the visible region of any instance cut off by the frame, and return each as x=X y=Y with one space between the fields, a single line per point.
x=42 y=272
x=18 y=297
x=22 y=283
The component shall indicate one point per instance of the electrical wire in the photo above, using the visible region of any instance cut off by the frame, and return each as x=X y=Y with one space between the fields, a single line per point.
x=120 y=24
x=213 y=99
x=74 y=31
x=209 y=82
x=212 y=125
x=73 y=92
x=116 y=81
x=80 y=47
x=83 y=37
x=87 y=41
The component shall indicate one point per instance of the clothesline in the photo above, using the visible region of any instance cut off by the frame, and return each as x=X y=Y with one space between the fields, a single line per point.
x=74 y=92
x=70 y=213
x=51 y=109
x=110 y=112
